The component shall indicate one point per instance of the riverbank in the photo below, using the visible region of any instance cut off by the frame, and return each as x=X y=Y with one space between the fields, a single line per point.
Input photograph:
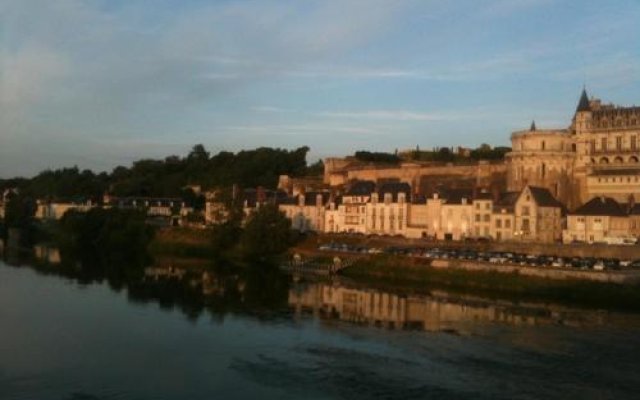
x=386 y=271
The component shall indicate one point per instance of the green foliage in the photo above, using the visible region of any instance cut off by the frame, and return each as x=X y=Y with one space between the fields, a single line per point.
x=267 y=233
x=315 y=169
x=485 y=152
x=368 y=156
x=114 y=234
x=19 y=211
x=169 y=177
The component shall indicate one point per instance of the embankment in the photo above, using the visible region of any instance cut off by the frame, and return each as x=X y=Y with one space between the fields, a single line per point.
x=420 y=275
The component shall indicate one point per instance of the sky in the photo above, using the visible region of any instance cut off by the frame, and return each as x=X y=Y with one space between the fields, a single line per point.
x=101 y=83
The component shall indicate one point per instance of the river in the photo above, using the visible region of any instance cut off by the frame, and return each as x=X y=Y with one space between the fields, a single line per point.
x=165 y=334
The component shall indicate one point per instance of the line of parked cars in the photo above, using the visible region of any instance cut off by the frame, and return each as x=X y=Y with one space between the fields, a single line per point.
x=494 y=257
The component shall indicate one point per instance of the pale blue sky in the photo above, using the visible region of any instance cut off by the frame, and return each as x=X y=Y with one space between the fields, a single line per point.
x=103 y=83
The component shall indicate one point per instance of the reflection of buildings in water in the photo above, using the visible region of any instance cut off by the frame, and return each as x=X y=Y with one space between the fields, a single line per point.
x=48 y=254
x=431 y=313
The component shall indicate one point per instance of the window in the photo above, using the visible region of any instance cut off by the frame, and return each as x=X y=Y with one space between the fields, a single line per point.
x=507 y=223
x=487 y=218
x=543 y=170
x=525 y=210
x=498 y=223
x=633 y=143
x=619 y=143
x=477 y=217
x=603 y=144
x=543 y=145
x=487 y=206
x=525 y=224
x=592 y=144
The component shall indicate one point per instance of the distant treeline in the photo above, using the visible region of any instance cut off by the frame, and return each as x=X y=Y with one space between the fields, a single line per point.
x=168 y=177
x=444 y=154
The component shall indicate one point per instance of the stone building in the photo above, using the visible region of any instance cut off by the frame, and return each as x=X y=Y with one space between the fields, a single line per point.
x=602 y=219
x=597 y=155
x=306 y=211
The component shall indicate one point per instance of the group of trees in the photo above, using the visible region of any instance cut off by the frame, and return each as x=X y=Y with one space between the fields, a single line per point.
x=168 y=177
x=376 y=157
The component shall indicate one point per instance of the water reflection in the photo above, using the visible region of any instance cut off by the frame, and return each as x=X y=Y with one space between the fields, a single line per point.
x=196 y=287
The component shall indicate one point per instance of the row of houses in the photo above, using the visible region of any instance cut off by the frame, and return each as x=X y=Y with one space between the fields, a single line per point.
x=532 y=214
x=169 y=210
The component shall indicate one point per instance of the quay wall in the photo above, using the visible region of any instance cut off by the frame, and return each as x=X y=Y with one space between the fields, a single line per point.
x=620 y=277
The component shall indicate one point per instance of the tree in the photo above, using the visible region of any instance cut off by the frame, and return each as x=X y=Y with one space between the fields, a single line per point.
x=267 y=233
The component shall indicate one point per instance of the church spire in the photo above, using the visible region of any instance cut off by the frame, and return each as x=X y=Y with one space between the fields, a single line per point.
x=533 y=126
x=583 y=104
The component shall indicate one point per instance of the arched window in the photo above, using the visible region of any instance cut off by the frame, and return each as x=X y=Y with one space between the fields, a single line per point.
x=604 y=160
x=633 y=159
x=593 y=161
x=618 y=160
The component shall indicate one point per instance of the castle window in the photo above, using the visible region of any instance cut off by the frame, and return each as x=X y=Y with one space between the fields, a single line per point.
x=543 y=146
x=543 y=170
x=619 y=143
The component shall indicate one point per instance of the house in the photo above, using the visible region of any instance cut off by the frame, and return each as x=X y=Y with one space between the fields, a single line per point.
x=386 y=213
x=601 y=219
x=306 y=210
x=449 y=214
x=538 y=216
x=351 y=215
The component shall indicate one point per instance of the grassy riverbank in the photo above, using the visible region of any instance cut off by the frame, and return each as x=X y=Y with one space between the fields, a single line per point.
x=386 y=271
x=181 y=242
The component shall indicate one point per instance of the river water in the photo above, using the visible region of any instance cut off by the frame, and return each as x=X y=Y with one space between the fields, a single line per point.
x=166 y=334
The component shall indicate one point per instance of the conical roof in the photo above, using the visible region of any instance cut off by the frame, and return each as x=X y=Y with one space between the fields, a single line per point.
x=583 y=104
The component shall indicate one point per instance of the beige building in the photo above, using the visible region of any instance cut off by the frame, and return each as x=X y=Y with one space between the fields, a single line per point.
x=601 y=219
x=538 y=216
x=56 y=210
x=306 y=211
x=349 y=213
x=387 y=212
x=597 y=155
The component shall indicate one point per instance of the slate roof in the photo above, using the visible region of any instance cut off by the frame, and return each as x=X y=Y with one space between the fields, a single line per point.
x=583 y=104
x=455 y=196
x=394 y=188
x=605 y=206
x=310 y=198
x=506 y=201
x=544 y=198
x=361 y=188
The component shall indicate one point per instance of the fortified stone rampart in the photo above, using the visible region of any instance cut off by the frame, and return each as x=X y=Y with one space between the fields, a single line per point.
x=420 y=176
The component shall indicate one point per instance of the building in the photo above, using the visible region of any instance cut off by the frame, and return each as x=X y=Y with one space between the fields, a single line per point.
x=601 y=219
x=55 y=210
x=596 y=155
x=387 y=212
x=306 y=211
x=351 y=214
x=538 y=216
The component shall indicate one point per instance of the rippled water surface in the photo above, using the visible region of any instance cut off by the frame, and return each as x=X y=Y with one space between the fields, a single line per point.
x=61 y=339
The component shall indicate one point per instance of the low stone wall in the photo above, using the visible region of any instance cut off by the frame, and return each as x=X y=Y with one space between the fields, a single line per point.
x=568 y=250
x=621 y=277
